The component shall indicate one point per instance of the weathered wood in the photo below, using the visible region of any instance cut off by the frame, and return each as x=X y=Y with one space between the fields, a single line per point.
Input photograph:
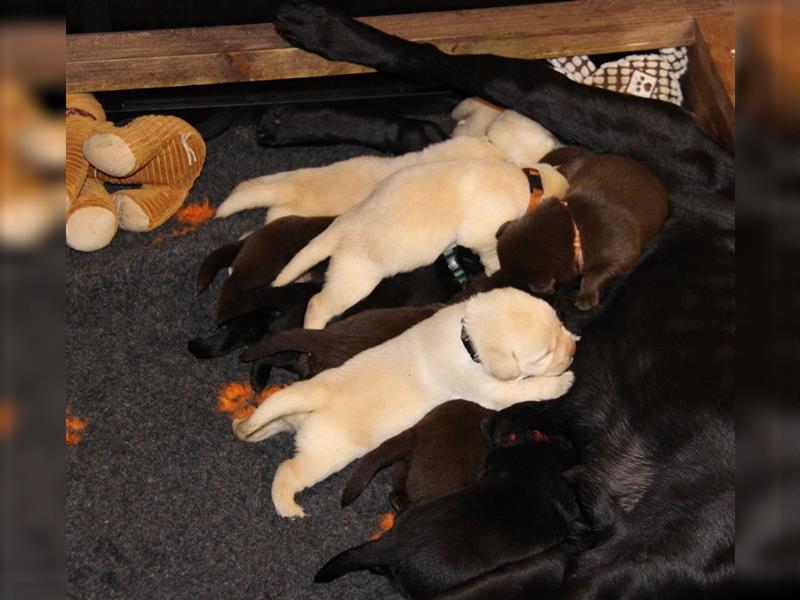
x=179 y=57
x=711 y=77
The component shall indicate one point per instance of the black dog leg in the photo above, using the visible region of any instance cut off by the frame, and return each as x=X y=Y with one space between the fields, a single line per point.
x=302 y=124
x=660 y=135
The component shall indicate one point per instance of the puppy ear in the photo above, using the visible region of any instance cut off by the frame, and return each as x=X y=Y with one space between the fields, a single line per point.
x=501 y=363
x=501 y=229
x=543 y=286
x=487 y=428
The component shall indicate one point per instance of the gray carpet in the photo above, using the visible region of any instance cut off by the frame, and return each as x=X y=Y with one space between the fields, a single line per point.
x=162 y=500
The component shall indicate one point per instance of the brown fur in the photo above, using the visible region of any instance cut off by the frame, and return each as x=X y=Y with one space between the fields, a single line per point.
x=442 y=453
x=617 y=205
x=311 y=351
x=257 y=259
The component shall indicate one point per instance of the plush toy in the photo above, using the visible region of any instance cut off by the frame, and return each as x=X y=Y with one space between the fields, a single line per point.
x=163 y=154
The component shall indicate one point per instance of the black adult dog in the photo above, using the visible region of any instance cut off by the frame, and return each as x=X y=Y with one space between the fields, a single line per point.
x=519 y=508
x=652 y=407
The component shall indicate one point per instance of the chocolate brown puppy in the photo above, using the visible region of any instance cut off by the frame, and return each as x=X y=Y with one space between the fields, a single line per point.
x=613 y=207
x=442 y=453
x=307 y=352
x=256 y=260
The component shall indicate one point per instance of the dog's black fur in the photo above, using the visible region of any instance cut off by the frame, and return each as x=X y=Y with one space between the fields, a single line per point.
x=652 y=407
x=306 y=352
x=519 y=507
x=442 y=453
x=299 y=124
x=249 y=307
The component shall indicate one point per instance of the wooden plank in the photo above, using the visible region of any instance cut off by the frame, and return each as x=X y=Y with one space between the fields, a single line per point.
x=169 y=58
x=711 y=77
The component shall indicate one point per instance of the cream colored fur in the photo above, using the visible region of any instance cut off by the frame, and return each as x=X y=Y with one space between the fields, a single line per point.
x=331 y=190
x=521 y=140
x=473 y=116
x=409 y=220
x=343 y=413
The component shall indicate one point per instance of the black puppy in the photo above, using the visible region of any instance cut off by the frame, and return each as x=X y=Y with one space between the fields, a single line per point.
x=520 y=507
x=442 y=453
x=652 y=406
x=250 y=307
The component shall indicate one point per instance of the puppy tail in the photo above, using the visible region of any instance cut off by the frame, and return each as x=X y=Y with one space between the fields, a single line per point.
x=389 y=452
x=256 y=193
x=298 y=398
x=219 y=259
x=365 y=556
x=317 y=250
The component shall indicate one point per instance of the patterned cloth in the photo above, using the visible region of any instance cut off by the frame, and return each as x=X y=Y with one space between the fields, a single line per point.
x=655 y=75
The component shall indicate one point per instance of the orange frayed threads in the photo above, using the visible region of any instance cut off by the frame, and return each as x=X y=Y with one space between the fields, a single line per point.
x=385 y=523
x=237 y=400
x=196 y=214
x=192 y=215
x=75 y=427
x=8 y=419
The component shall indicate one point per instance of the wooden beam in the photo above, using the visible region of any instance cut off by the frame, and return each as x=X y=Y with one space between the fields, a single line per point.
x=196 y=56
x=710 y=80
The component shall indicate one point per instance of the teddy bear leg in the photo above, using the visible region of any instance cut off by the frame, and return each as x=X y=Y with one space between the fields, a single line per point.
x=148 y=207
x=92 y=219
x=125 y=150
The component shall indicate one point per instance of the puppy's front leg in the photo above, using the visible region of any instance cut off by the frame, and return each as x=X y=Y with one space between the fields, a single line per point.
x=489 y=259
x=592 y=283
x=531 y=388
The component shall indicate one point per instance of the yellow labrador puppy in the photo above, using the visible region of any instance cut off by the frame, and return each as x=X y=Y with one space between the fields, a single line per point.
x=495 y=349
x=331 y=190
x=483 y=131
x=409 y=220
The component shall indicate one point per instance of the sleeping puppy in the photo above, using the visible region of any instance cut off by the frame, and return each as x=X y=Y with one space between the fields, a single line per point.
x=333 y=189
x=307 y=352
x=410 y=219
x=519 y=508
x=613 y=207
x=442 y=453
x=495 y=349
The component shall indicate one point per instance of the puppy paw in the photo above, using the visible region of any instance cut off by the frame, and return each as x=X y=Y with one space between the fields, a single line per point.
x=289 y=510
x=587 y=300
x=242 y=429
x=562 y=384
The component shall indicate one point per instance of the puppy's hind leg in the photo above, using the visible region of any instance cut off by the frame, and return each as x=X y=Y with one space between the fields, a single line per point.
x=349 y=279
x=307 y=468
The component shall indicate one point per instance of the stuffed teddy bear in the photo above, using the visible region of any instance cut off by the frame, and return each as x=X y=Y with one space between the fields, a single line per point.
x=163 y=154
